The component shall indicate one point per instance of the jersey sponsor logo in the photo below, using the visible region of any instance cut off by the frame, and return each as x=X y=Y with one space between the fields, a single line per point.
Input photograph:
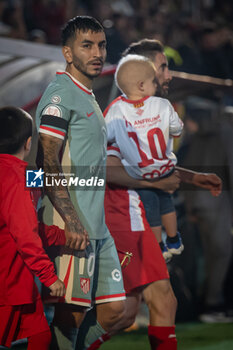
x=34 y=178
x=149 y=121
x=116 y=275
x=85 y=284
x=53 y=110
x=90 y=114
x=127 y=123
x=56 y=99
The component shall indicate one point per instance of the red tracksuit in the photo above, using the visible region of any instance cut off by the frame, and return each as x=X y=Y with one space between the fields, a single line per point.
x=21 y=252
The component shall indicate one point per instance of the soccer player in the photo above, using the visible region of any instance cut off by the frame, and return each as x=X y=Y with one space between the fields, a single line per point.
x=147 y=124
x=144 y=269
x=21 y=253
x=68 y=115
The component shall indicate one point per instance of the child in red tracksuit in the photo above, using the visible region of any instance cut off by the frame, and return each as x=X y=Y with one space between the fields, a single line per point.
x=21 y=252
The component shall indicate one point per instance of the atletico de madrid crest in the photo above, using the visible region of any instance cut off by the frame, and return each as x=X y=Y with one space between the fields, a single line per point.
x=85 y=285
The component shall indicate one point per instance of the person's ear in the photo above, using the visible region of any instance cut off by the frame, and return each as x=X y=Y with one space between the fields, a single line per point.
x=28 y=144
x=67 y=53
x=140 y=85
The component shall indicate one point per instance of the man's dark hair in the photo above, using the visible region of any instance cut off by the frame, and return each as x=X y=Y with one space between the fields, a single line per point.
x=144 y=47
x=15 y=129
x=79 y=23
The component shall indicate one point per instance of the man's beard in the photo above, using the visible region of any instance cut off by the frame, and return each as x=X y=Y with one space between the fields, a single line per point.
x=83 y=69
x=162 y=90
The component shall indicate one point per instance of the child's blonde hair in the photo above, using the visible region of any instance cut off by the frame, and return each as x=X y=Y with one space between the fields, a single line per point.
x=132 y=69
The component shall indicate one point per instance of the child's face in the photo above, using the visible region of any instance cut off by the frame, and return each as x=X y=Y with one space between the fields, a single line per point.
x=150 y=86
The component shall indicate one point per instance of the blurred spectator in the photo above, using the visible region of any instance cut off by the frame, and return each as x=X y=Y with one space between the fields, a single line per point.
x=179 y=36
x=216 y=49
x=38 y=36
x=4 y=28
x=208 y=146
x=118 y=20
x=117 y=40
x=49 y=16
x=13 y=19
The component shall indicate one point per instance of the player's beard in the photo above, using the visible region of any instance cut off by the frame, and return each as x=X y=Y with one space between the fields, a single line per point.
x=162 y=90
x=83 y=68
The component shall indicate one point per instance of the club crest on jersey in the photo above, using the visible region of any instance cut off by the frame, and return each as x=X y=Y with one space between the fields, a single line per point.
x=139 y=111
x=56 y=99
x=85 y=285
x=53 y=110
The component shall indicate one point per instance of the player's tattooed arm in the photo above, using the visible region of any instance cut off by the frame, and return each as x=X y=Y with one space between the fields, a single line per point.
x=48 y=158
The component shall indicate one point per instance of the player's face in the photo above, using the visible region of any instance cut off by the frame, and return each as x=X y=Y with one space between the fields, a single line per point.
x=163 y=74
x=87 y=55
x=150 y=86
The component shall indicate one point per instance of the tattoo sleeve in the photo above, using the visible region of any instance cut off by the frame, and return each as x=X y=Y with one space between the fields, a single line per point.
x=48 y=156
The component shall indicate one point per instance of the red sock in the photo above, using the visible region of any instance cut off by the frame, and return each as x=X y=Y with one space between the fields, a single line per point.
x=39 y=341
x=99 y=342
x=162 y=338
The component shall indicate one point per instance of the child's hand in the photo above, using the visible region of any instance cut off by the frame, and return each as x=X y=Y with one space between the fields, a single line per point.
x=168 y=184
x=57 y=288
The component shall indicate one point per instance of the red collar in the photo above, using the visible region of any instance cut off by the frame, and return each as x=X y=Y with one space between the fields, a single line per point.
x=136 y=103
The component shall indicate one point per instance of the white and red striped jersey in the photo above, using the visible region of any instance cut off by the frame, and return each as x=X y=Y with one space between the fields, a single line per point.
x=142 y=133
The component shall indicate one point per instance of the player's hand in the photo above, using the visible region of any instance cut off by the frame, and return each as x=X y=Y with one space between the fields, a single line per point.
x=76 y=236
x=168 y=184
x=57 y=288
x=208 y=181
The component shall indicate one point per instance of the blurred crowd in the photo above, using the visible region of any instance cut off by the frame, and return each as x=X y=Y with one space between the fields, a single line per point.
x=198 y=35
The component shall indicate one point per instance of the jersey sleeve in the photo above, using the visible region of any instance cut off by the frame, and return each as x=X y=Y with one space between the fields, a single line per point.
x=54 y=120
x=21 y=219
x=114 y=150
x=175 y=123
x=109 y=120
x=53 y=113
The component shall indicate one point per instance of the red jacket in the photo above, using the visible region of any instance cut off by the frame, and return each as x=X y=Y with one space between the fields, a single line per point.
x=21 y=252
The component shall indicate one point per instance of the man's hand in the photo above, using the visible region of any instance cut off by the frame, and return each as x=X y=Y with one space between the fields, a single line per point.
x=76 y=236
x=57 y=288
x=208 y=181
x=168 y=184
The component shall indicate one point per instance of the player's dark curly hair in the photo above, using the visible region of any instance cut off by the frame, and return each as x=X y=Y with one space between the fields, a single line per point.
x=79 y=23
x=15 y=129
x=144 y=47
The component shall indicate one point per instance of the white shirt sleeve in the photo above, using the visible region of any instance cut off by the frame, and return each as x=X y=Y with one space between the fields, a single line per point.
x=109 y=120
x=175 y=123
x=114 y=150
